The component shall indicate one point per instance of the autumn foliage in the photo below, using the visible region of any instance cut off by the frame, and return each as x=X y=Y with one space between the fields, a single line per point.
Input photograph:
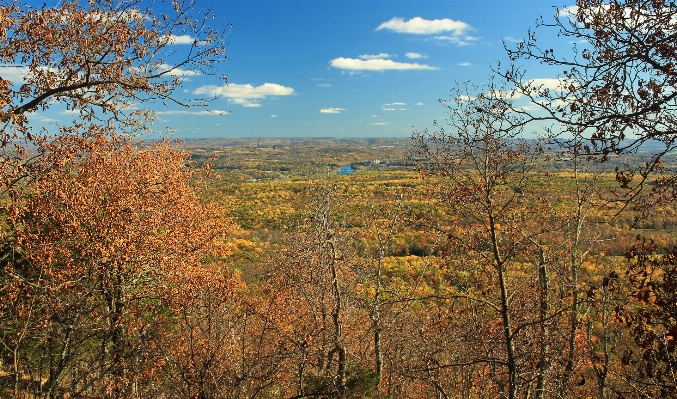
x=493 y=271
x=102 y=245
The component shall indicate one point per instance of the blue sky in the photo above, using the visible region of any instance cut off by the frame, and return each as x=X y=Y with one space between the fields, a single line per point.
x=368 y=68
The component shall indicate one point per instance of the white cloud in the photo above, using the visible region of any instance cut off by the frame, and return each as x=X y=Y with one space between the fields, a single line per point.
x=379 y=56
x=17 y=73
x=380 y=123
x=419 y=103
x=174 y=71
x=273 y=116
x=246 y=94
x=528 y=108
x=420 y=26
x=331 y=110
x=399 y=104
x=415 y=55
x=552 y=104
x=375 y=65
x=464 y=64
x=512 y=39
x=546 y=83
x=567 y=12
x=324 y=85
x=389 y=109
x=13 y=73
x=180 y=39
x=632 y=17
x=41 y=118
x=165 y=68
x=459 y=40
x=214 y=112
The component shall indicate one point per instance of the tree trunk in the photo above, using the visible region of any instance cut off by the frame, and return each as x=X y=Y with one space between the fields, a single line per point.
x=543 y=361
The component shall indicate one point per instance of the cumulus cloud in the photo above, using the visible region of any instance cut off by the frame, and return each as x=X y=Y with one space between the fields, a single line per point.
x=399 y=103
x=464 y=64
x=420 y=26
x=214 y=112
x=375 y=65
x=415 y=55
x=246 y=94
x=419 y=103
x=331 y=110
x=273 y=116
x=379 y=56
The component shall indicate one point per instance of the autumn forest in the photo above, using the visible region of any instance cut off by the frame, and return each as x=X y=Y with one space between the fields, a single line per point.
x=504 y=252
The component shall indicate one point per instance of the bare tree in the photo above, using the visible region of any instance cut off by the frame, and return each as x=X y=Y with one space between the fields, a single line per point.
x=616 y=92
x=500 y=225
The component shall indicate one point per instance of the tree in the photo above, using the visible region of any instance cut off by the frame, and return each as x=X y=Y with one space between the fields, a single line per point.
x=308 y=303
x=650 y=313
x=95 y=252
x=496 y=239
x=617 y=89
x=97 y=57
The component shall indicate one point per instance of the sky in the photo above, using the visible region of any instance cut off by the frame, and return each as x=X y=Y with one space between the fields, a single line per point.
x=330 y=68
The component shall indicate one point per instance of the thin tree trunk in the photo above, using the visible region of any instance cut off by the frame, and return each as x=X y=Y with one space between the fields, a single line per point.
x=543 y=361
x=339 y=346
x=574 y=322
x=375 y=317
x=505 y=311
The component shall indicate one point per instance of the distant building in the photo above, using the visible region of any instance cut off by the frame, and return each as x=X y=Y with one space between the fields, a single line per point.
x=345 y=170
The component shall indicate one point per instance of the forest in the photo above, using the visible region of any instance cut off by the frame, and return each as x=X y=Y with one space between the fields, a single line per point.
x=506 y=252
